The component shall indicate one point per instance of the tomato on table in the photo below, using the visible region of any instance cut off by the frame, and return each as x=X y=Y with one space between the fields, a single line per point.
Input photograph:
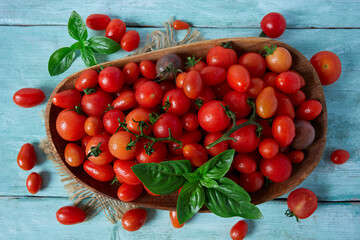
x=70 y=125
x=74 y=155
x=97 y=150
x=180 y=25
x=111 y=79
x=302 y=203
x=327 y=65
x=239 y=230
x=97 y=21
x=174 y=220
x=28 y=97
x=340 y=156
x=70 y=215
x=115 y=29
x=134 y=219
x=26 y=158
x=33 y=182
x=273 y=24
x=130 y=41
x=67 y=99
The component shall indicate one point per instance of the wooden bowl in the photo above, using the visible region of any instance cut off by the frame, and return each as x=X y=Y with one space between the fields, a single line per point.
x=313 y=90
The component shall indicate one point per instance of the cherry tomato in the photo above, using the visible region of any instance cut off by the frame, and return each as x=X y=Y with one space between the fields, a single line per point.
x=197 y=67
x=297 y=98
x=33 y=183
x=270 y=79
x=195 y=153
x=279 y=61
x=190 y=121
x=246 y=139
x=97 y=21
x=70 y=215
x=256 y=86
x=254 y=63
x=244 y=163
x=175 y=101
x=212 y=75
x=167 y=66
x=288 y=82
x=180 y=25
x=237 y=102
x=302 y=202
x=70 y=125
x=128 y=193
x=99 y=156
x=149 y=94
x=304 y=135
x=267 y=130
x=266 y=103
x=284 y=107
x=206 y=95
x=148 y=69
x=174 y=220
x=157 y=156
x=67 y=99
x=131 y=73
x=87 y=79
x=283 y=129
x=221 y=57
x=251 y=182
x=218 y=148
x=115 y=29
x=309 y=110
x=273 y=24
x=26 y=158
x=238 y=78
x=130 y=40
x=125 y=101
x=138 y=114
x=302 y=80
x=85 y=141
x=74 y=155
x=134 y=219
x=28 y=97
x=193 y=85
x=239 y=230
x=268 y=148
x=277 y=169
x=222 y=89
x=93 y=125
x=164 y=123
x=327 y=65
x=95 y=104
x=180 y=79
x=111 y=79
x=124 y=171
x=102 y=173
x=296 y=156
x=212 y=116
x=118 y=143
x=111 y=120
x=187 y=137
x=340 y=156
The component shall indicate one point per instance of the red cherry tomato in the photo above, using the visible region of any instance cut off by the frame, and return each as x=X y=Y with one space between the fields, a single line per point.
x=244 y=163
x=175 y=101
x=118 y=143
x=70 y=125
x=138 y=114
x=74 y=155
x=111 y=79
x=193 y=85
x=200 y=65
x=148 y=69
x=277 y=169
x=85 y=141
x=288 y=82
x=125 y=101
x=221 y=57
x=131 y=73
x=279 y=61
x=174 y=220
x=93 y=125
x=128 y=193
x=266 y=103
x=296 y=156
x=134 y=219
x=268 y=148
x=256 y=86
x=26 y=158
x=270 y=79
x=111 y=120
x=251 y=182
x=67 y=99
x=164 y=123
x=239 y=230
x=124 y=171
x=302 y=202
x=97 y=21
x=180 y=25
x=254 y=63
x=70 y=215
x=212 y=75
x=180 y=79
x=340 y=156
x=238 y=78
x=95 y=104
x=237 y=103
x=302 y=80
x=283 y=129
x=309 y=110
x=212 y=116
x=327 y=65
x=149 y=94
x=99 y=156
x=115 y=30
x=273 y=24
x=28 y=97
x=297 y=98
x=190 y=121
x=87 y=79
x=218 y=148
x=246 y=139
x=195 y=153
x=102 y=173
x=187 y=137
x=207 y=95
x=130 y=41
x=222 y=89
x=284 y=107
x=157 y=156
x=33 y=183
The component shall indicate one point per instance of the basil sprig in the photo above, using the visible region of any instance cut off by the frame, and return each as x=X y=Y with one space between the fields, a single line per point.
x=62 y=58
x=206 y=185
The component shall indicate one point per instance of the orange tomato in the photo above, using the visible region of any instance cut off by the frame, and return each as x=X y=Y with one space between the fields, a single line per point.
x=118 y=143
x=279 y=61
x=74 y=155
x=266 y=103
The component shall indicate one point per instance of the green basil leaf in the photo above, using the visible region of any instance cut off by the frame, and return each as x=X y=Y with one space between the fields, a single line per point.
x=76 y=27
x=88 y=56
x=218 y=166
x=162 y=178
x=190 y=200
x=192 y=177
x=104 y=45
x=61 y=60
x=76 y=45
x=208 y=183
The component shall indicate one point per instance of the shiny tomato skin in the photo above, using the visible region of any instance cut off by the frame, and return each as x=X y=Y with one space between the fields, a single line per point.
x=284 y=107
x=277 y=169
x=273 y=24
x=115 y=30
x=125 y=101
x=33 y=183
x=279 y=61
x=302 y=202
x=111 y=79
x=180 y=25
x=157 y=156
x=283 y=129
x=190 y=121
x=102 y=173
x=97 y=22
x=256 y=86
x=110 y=120
x=70 y=215
x=87 y=79
x=239 y=230
x=131 y=73
x=187 y=137
x=28 y=97
x=70 y=125
x=164 y=123
x=218 y=148
x=149 y=94
x=237 y=102
x=95 y=104
x=219 y=56
x=148 y=69
x=206 y=95
x=288 y=82
x=266 y=103
x=26 y=158
x=177 y=102
x=238 y=78
x=193 y=85
x=297 y=98
x=134 y=219
x=212 y=116
x=254 y=63
x=195 y=153
x=174 y=220
x=105 y=156
x=302 y=80
x=124 y=171
x=118 y=143
x=340 y=156
x=244 y=163
x=268 y=148
x=138 y=114
x=251 y=182
x=67 y=99
x=130 y=41
x=309 y=110
x=128 y=193
x=246 y=139
x=212 y=75
x=295 y=156
x=180 y=78
x=74 y=155
x=327 y=65
x=93 y=125
x=197 y=67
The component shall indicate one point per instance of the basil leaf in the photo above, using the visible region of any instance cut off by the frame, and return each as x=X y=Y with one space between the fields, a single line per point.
x=88 y=56
x=190 y=200
x=104 y=45
x=192 y=177
x=162 y=178
x=76 y=27
x=61 y=60
x=218 y=166
x=76 y=45
x=208 y=183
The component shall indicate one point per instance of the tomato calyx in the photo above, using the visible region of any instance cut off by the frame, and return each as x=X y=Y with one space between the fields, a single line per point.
x=289 y=213
x=266 y=51
x=267 y=181
x=153 y=117
x=166 y=106
x=262 y=34
x=191 y=61
x=115 y=182
x=78 y=110
x=109 y=108
x=170 y=69
x=94 y=151
x=89 y=90
x=199 y=102
x=226 y=45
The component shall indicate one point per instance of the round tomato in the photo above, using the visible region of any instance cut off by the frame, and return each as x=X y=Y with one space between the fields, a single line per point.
x=97 y=21
x=97 y=150
x=175 y=101
x=180 y=25
x=238 y=78
x=237 y=102
x=134 y=219
x=128 y=193
x=111 y=120
x=218 y=148
x=302 y=203
x=256 y=86
x=28 y=97
x=207 y=95
x=244 y=163
x=268 y=148
x=157 y=155
x=340 y=156
x=93 y=125
x=195 y=153
x=283 y=129
x=254 y=63
x=251 y=182
x=85 y=141
x=297 y=98
x=148 y=69
x=193 y=85
x=118 y=144
x=266 y=103
x=174 y=220
x=123 y=170
x=149 y=94
x=33 y=183
x=180 y=78
x=67 y=99
x=246 y=138
x=70 y=215
x=212 y=75
x=87 y=79
x=190 y=121
x=70 y=125
x=239 y=230
x=168 y=65
x=115 y=30
x=166 y=122
x=279 y=60
x=74 y=155
x=273 y=24
x=296 y=156
x=95 y=104
x=136 y=115
x=26 y=158
x=309 y=110
x=284 y=107
x=288 y=82
x=277 y=169
x=111 y=79
x=327 y=65
x=221 y=57
x=130 y=40
x=212 y=116
x=102 y=173
x=131 y=73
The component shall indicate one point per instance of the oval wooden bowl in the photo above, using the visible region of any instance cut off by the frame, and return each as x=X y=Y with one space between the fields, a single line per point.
x=313 y=90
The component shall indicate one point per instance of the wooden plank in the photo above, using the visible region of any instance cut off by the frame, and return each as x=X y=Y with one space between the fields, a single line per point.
x=24 y=57
x=229 y=13
x=33 y=218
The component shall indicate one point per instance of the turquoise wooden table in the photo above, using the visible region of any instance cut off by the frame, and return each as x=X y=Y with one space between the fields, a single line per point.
x=31 y=30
